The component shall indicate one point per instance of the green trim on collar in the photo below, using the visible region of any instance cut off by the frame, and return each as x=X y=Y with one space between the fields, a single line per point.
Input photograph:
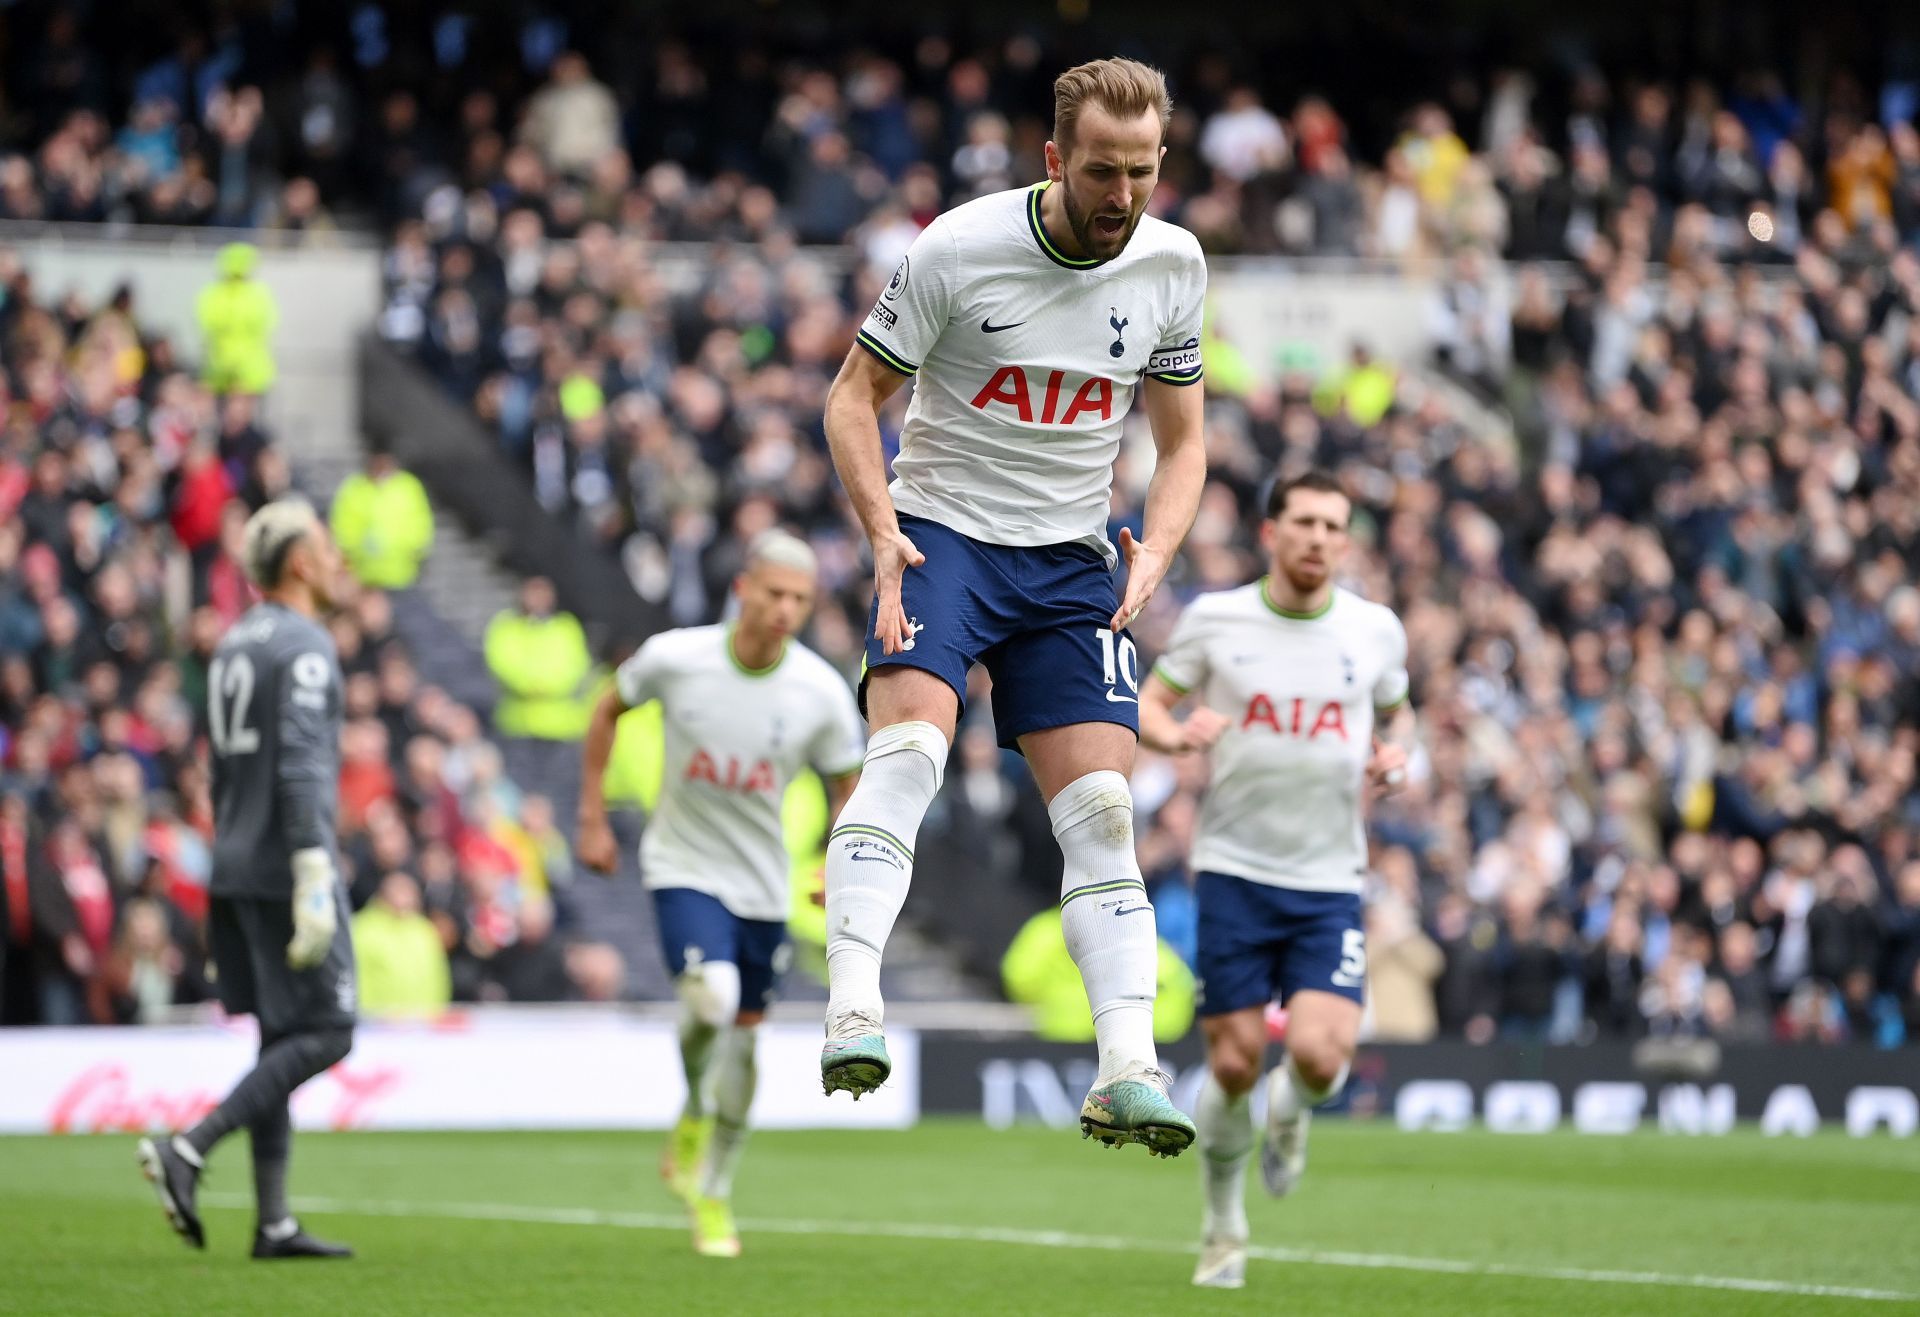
x=1288 y=613
x=746 y=671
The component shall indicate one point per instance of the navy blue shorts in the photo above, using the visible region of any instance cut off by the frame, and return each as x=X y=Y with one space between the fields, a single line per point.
x=1260 y=943
x=1038 y=618
x=696 y=927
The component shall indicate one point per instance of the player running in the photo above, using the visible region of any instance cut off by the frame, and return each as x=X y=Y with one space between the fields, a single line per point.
x=745 y=709
x=276 y=924
x=1028 y=319
x=1289 y=674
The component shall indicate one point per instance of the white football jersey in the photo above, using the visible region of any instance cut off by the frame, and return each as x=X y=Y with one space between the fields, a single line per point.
x=734 y=740
x=1025 y=364
x=1299 y=693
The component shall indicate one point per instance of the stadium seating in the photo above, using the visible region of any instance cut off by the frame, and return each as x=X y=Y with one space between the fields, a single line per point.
x=123 y=488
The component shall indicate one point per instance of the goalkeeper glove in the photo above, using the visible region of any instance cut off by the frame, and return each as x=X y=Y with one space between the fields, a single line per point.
x=315 y=911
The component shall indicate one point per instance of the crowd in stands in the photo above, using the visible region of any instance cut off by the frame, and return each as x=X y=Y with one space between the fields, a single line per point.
x=278 y=116
x=1665 y=650
x=124 y=484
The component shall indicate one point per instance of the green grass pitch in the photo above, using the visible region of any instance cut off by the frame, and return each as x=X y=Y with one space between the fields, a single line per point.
x=952 y=1217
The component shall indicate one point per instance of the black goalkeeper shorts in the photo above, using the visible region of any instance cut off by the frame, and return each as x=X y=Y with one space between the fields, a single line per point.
x=247 y=938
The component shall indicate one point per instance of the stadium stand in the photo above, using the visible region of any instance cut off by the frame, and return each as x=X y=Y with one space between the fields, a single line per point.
x=125 y=483
x=1665 y=645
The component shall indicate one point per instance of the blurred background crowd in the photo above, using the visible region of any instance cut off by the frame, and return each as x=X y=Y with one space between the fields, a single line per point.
x=124 y=484
x=1664 y=640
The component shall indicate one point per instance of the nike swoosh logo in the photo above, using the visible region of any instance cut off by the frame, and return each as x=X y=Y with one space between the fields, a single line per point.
x=875 y=859
x=988 y=327
x=1120 y=699
x=1131 y=910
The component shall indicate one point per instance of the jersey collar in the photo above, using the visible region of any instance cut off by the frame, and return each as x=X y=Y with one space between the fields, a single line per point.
x=1291 y=616
x=1046 y=244
x=742 y=668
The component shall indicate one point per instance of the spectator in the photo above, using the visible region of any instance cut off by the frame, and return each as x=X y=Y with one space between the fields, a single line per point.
x=383 y=523
x=539 y=656
x=1244 y=139
x=1749 y=1013
x=573 y=121
x=299 y=209
x=136 y=982
x=1530 y=962
x=238 y=315
x=1844 y=936
x=1334 y=200
x=1402 y=966
x=403 y=964
x=1613 y=976
x=1038 y=972
x=830 y=197
x=1435 y=155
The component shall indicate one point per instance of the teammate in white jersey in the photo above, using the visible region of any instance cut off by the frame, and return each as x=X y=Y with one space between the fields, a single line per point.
x=745 y=708
x=1289 y=675
x=1027 y=320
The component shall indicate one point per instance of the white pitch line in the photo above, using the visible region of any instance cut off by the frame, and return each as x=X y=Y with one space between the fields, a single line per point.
x=584 y=1216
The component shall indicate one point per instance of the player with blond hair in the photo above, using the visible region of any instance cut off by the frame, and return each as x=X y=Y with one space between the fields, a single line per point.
x=745 y=708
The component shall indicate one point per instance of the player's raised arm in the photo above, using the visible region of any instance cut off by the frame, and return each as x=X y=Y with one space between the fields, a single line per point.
x=1173 y=498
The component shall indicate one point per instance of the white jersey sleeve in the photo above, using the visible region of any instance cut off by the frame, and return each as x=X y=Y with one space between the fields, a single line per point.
x=1391 y=687
x=840 y=744
x=639 y=679
x=1176 y=358
x=913 y=309
x=1184 y=665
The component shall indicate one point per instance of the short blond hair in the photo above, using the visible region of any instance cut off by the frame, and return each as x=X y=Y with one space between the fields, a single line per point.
x=270 y=536
x=779 y=549
x=1124 y=88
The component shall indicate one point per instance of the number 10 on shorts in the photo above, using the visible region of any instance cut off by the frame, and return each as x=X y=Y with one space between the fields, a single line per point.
x=1119 y=662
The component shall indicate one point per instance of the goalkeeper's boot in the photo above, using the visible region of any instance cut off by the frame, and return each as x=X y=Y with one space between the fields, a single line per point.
x=714 y=1235
x=1135 y=1108
x=1283 y=1153
x=686 y=1152
x=854 y=1058
x=288 y=1240
x=173 y=1168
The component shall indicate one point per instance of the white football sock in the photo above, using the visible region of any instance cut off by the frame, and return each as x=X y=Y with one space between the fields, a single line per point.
x=1226 y=1145
x=1295 y=1096
x=1107 y=919
x=734 y=1076
x=709 y=994
x=870 y=859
